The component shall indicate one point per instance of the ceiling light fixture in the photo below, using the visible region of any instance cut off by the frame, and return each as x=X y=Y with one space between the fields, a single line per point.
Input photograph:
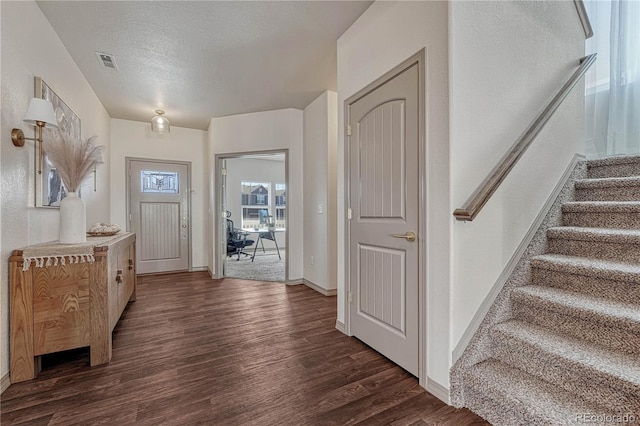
x=160 y=123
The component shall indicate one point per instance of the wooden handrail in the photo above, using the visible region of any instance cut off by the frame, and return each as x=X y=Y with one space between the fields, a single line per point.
x=491 y=183
x=584 y=18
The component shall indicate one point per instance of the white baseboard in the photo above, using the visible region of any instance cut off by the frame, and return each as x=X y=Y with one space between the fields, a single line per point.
x=319 y=289
x=297 y=281
x=5 y=382
x=200 y=268
x=439 y=391
x=340 y=327
x=483 y=310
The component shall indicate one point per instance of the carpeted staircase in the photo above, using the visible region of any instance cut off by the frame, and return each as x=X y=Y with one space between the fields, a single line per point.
x=568 y=352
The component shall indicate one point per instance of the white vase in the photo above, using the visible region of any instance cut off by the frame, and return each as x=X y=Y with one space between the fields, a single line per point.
x=73 y=220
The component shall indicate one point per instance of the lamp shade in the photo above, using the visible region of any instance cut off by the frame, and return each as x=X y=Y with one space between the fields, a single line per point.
x=160 y=123
x=40 y=110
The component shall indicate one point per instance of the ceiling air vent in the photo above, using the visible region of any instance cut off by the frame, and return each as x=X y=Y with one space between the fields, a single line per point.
x=107 y=61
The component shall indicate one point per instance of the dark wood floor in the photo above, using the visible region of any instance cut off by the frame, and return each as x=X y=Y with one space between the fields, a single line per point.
x=195 y=351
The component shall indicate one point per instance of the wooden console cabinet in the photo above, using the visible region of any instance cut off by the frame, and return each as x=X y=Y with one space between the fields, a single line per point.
x=61 y=307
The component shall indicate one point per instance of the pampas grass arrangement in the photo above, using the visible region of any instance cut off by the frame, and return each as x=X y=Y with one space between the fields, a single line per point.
x=74 y=159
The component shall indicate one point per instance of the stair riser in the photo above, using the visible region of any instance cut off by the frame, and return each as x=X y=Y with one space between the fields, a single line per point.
x=614 y=170
x=591 y=331
x=621 y=291
x=579 y=379
x=483 y=403
x=609 y=194
x=620 y=252
x=507 y=396
x=618 y=220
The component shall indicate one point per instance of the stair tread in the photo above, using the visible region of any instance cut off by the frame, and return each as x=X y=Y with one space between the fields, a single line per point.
x=524 y=391
x=629 y=236
x=610 y=363
x=610 y=161
x=610 y=312
x=602 y=207
x=606 y=269
x=612 y=182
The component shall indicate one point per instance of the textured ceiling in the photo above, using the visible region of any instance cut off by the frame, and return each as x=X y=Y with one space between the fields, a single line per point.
x=204 y=59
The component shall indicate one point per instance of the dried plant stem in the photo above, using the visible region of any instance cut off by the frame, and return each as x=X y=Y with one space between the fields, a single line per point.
x=74 y=159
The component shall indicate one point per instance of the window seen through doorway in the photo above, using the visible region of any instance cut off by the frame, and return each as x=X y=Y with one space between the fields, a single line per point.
x=261 y=205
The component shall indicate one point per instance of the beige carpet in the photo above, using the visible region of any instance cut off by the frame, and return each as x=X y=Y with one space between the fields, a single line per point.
x=561 y=344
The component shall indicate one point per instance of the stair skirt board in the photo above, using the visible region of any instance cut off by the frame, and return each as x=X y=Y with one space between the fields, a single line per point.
x=561 y=334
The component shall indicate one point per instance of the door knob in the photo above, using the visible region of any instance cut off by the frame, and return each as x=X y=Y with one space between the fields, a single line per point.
x=409 y=236
x=184 y=225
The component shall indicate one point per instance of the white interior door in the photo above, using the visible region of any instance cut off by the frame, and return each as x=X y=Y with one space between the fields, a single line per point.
x=159 y=209
x=383 y=230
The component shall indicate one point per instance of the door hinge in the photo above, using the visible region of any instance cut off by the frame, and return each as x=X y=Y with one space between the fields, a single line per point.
x=349 y=214
x=224 y=172
x=349 y=297
x=129 y=217
x=349 y=130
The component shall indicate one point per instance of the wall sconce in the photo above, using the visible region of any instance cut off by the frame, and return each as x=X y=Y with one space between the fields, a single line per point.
x=160 y=123
x=39 y=113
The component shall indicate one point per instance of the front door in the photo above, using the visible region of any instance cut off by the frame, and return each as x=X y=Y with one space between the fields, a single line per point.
x=384 y=210
x=159 y=215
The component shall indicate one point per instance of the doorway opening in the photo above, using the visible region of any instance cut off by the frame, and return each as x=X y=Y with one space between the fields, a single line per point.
x=252 y=237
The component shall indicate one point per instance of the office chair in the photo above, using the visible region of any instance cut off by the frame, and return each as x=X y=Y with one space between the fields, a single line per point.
x=236 y=241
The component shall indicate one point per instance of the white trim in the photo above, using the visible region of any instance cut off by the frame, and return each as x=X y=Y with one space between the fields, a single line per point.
x=340 y=327
x=319 y=289
x=210 y=273
x=295 y=282
x=5 y=382
x=439 y=391
x=200 y=268
x=517 y=255
x=217 y=238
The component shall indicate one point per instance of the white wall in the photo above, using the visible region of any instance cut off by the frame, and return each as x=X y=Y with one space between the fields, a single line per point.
x=135 y=139
x=384 y=36
x=320 y=146
x=252 y=170
x=507 y=60
x=268 y=130
x=30 y=47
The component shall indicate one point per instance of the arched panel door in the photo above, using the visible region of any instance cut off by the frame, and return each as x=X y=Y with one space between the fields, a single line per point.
x=383 y=229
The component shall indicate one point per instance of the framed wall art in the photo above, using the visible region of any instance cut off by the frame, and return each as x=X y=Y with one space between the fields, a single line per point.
x=49 y=188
